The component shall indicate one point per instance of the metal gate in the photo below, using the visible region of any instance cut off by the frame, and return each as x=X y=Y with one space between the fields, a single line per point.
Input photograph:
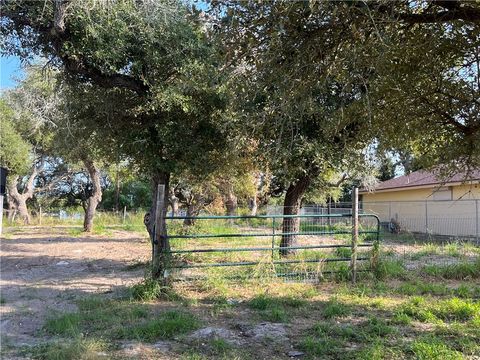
x=253 y=244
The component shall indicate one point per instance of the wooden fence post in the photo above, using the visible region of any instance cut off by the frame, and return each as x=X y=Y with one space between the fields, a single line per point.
x=353 y=262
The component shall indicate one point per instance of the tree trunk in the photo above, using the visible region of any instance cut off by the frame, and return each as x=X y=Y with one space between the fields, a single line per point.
x=231 y=203
x=253 y=206
x=174 y=202
x=93 y=201
x=117 y=190
x=12 y=209
x=19 y=200
x=291 y=206
x=158 y=235
x=190 y=213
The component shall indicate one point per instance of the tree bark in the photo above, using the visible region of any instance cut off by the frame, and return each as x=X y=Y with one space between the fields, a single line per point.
x=174 y=202
x=158 y=236
x=231 y=203
x=117 y=190
x=191 y=211
x=93 y=201
x=18 y=201
x=253 y=206
x=291 y=206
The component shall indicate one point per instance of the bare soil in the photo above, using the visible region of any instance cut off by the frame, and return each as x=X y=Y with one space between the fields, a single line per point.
x=44 y=270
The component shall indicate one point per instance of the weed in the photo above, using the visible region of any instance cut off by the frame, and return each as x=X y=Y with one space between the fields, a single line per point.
x=320 y=346
x=433 y=349
x=166 y=326
x=334 y=308
x=377 y=327
x=343 y=252
x=390 y=269
x=65 y=324
x=459 y=271
x=77 y=349
x=377 y=351
x=422 y=288
x=149 y=289
x=220 y=346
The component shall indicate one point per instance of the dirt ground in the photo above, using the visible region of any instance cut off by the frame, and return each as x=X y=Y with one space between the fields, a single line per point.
x=45 y=270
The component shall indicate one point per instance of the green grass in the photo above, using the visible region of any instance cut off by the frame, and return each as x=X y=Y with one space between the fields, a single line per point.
x=76 y=349
x=65 y=324
x=458 y=271
x=431 y=348
x=334 y=308
x=453 y=309
x=387 y=269
x=275 y=309
x=113 y=319
x=164 y=326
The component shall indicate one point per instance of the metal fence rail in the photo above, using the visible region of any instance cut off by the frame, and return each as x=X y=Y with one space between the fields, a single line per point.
x=256 y=240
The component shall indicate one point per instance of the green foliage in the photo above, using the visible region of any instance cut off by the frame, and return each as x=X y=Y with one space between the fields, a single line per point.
x=14 y=149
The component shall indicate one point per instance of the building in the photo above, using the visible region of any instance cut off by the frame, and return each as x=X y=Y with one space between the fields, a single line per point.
x=421 y=202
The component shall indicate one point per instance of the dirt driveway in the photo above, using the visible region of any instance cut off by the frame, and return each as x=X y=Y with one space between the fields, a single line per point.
x=45 y=269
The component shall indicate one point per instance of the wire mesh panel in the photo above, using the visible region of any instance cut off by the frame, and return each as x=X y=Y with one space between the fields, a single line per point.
x=305 y=246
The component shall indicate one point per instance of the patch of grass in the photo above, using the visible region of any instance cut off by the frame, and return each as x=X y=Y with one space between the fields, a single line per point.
x=65 y=325
x=77 y=349
x=400 y=318
x=149 y=289
x=460 y=271
x=220 y=346
x=320 y=346
x=423 y=288
x=390 y=269
x=334 y=308
x=2 y=300
x=454 y=309
x=75 y=232
x=165 y=326
x=274 y=308
x=433 y=349
x=376 y=327
x=426 y=250
x=343 y=252
x=378 y=351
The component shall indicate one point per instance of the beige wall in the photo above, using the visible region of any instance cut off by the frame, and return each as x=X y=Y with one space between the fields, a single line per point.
x=468 y=191
x=415 y=210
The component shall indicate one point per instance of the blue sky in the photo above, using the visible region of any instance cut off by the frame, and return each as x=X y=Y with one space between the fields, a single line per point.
x=10 y=67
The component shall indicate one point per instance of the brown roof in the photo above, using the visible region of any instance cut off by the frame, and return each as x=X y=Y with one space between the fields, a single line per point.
x=422 y=178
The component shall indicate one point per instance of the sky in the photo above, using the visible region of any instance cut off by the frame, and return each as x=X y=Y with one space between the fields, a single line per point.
x=10 y=68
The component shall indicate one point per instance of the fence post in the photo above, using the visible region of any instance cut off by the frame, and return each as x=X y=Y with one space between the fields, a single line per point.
x=477 y=220
x=1 y=214
x=353 y=262
x=124 y=214
x=40 y=215
x=426 y=216
x=273 y=237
